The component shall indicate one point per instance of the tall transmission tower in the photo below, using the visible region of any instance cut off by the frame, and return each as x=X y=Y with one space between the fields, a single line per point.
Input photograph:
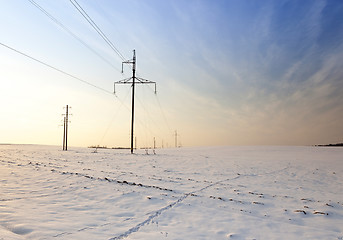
x=132 y=80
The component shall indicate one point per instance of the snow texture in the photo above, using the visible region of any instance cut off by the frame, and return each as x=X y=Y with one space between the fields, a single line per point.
x=187 y=193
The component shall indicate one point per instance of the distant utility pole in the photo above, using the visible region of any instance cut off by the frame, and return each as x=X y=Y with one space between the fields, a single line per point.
x=154 y=143
x=132 y=80
x=65 y=130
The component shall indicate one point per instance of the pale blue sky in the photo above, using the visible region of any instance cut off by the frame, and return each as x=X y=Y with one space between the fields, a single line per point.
x=227 y=72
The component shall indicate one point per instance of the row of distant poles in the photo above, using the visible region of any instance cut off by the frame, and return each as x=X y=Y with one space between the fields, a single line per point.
x=154 y=146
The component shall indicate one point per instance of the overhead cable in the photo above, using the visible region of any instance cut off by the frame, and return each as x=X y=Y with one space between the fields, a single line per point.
x=96 y=28
x=56 y=69
x=70 y=32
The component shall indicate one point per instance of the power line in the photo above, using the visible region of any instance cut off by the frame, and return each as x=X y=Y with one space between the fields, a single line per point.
x=164 y=116
x=161 y=109
x=70 y=32
x=96 y=28
x=148 y=115
x=56 y=69
x=114 y=116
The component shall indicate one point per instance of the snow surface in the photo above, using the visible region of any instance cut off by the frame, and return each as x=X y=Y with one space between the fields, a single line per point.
x=187 y=193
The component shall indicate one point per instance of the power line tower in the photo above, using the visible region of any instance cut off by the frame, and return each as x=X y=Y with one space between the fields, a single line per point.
x=65 y=129
x=132 y=80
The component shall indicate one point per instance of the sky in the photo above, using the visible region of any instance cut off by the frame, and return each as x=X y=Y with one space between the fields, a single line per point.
x=228 y=72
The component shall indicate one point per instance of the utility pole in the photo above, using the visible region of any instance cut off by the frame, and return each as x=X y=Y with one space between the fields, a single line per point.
x=64 y=133
x=154 y=143
x=132 y=80
x=65 y=130
x=66 y=118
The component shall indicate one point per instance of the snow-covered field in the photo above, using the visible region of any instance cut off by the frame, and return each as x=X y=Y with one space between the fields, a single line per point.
x=187 y=193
